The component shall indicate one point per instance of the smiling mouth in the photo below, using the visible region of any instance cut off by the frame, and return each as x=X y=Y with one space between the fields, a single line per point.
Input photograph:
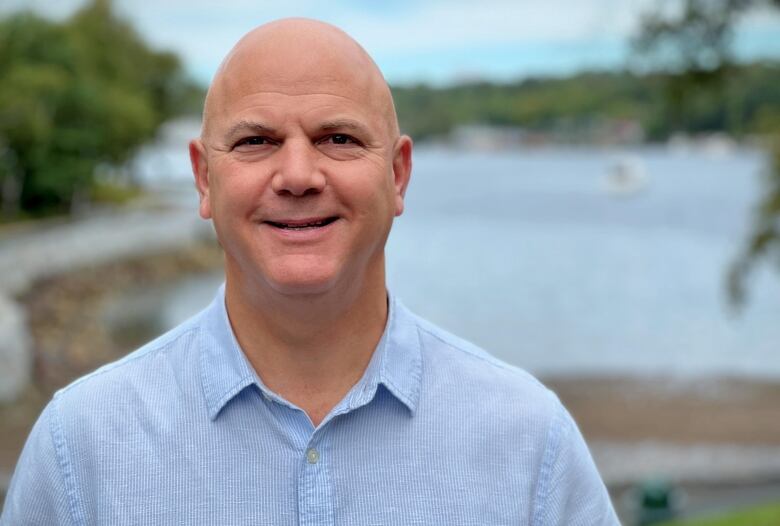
x=302 y=225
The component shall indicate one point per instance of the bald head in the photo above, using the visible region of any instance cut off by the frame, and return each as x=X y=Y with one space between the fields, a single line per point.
x=296 y=56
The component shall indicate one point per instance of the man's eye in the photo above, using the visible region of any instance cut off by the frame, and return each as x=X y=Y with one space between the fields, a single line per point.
x=253 y=141
x=340 y=138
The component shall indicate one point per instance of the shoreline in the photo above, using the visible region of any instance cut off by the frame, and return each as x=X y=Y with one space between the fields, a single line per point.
x=35 y=251
x=64 y=318
x=700 y=410
x=634 y=424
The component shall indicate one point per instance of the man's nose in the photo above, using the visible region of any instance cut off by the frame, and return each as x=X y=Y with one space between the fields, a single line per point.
x=297 y=173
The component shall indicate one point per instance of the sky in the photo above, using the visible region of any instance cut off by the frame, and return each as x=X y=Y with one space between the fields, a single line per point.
x=433 y=41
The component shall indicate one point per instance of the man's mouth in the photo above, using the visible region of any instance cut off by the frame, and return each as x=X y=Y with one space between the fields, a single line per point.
x=302 y=225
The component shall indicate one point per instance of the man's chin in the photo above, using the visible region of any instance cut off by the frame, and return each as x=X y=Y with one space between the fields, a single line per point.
x=302 y=290
x=303 y=283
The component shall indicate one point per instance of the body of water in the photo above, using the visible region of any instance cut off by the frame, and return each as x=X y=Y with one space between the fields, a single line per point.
x=531 y=256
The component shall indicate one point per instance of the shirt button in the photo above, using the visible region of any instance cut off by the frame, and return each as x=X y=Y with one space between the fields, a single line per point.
x=312 y=455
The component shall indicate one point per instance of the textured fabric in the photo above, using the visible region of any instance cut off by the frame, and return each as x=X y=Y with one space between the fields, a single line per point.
x=183 y=431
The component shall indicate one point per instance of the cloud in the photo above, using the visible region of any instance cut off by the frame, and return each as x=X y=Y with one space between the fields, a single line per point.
x=438 y=25
x=424 y=35
x=203 y=33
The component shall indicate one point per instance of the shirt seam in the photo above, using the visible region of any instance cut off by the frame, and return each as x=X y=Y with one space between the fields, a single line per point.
x=551 y=454
x=61 y=450
x=164 y=347
x=487 y=359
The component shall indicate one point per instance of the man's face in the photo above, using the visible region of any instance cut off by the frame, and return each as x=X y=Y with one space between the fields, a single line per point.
x=302 y=176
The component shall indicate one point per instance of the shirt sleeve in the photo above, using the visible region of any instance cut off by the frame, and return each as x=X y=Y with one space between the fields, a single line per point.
x=39 y=490
x=570 y=491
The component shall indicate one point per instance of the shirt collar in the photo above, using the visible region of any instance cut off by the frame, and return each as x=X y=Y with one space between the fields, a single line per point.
x=396 y=363
x=400 y=356
x=225 y=371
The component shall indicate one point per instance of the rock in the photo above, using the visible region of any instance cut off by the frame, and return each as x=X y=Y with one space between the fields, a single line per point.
x=65 y=246
x=15 y=355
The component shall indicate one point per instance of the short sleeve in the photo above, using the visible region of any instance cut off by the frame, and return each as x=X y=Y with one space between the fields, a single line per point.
x=570 y=491
x=38 y=493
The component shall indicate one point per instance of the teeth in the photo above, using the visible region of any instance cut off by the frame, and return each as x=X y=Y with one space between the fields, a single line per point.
x=301 y=227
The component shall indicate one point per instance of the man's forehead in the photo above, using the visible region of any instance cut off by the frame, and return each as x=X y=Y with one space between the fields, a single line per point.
x=295 y=58
x=260 y=81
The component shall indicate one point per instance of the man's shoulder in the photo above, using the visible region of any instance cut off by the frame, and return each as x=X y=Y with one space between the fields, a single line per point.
x=451 y=360
x=156 y=366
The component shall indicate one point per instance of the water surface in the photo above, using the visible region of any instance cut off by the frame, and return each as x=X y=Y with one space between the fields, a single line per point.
x=526 y=254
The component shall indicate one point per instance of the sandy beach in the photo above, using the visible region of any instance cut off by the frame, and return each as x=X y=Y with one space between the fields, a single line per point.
x=675 y=410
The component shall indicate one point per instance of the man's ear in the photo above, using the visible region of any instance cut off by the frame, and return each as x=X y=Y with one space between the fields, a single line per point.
x=200 y=169
x=402 y=170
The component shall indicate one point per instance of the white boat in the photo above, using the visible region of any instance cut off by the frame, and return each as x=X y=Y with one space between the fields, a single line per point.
x=625 y=176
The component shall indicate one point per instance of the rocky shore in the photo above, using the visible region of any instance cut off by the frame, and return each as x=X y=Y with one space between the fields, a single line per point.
x=67 y=333
x=65 y=313
x=33 y=252
x=54 y=276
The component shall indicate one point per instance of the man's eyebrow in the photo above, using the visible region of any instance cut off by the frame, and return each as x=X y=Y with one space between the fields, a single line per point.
x=344 y=124
x=260 y=128
x=253 y=126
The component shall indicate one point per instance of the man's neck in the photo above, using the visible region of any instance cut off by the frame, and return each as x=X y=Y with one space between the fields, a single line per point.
x=311 y=349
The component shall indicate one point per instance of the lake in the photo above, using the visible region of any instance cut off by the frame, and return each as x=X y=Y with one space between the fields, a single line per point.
x=537 y=257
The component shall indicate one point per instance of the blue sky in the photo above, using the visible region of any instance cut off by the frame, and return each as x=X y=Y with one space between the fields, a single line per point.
x=438 y=41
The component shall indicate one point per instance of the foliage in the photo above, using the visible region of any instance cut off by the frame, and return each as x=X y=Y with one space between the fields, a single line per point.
x=764 y=241
x=111 y=193
x=571 y=107
x=75 y=96
x=766 y=515
x=696 y=44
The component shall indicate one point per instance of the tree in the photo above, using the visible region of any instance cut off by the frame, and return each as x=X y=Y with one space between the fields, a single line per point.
x=695 y=43
x=75 y=96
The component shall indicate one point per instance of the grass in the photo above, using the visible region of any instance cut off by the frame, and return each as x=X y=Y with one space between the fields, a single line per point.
x=765 y=515
x=113 y=193
x=100 y=193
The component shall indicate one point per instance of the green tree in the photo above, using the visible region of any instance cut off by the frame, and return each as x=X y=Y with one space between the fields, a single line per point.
x=75 y=96
x=696 y=44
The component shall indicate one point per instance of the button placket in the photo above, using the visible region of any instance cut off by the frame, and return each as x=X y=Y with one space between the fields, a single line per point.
x=315 y=504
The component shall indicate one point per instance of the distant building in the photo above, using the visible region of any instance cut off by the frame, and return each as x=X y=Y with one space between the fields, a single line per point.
x=486 y=137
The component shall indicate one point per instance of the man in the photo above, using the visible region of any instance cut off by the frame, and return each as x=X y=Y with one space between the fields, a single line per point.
x=305 y=394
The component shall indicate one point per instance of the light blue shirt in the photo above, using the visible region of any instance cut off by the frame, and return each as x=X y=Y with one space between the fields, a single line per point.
x=183 y=431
